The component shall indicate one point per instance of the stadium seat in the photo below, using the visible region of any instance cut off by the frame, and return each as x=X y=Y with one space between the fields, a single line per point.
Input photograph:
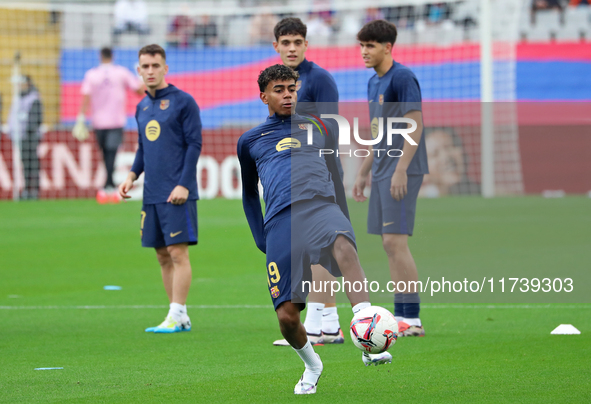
x=405 y=36
x=577 y=17
x=549 y=19
x=71 y=37
x=570 y=33
x=237 y=27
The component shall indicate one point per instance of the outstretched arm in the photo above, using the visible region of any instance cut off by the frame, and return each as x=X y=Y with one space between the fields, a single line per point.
x=251 y=201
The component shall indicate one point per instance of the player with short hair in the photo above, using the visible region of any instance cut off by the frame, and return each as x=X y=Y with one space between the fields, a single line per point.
x=306 y=218
x=169 y=145
x=393 y=92
x=104 y=90
x=317 y=94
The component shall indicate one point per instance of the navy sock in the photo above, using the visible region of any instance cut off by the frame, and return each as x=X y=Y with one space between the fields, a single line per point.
x=412 y=305
x=399 y=304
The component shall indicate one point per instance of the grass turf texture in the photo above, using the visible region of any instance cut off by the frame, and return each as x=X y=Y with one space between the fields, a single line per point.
x=62 y=253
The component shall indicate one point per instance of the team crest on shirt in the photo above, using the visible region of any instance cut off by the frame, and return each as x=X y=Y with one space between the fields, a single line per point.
x=302 y=126
x=381 y=99
x=275 y=292
x=164 y=104
x=298 y=85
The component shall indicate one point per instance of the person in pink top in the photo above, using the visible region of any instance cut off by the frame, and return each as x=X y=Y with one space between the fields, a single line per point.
x=104 y=90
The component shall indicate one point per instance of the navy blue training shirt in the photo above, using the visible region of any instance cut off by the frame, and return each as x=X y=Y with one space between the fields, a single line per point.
x=290 y=170
x=316 y=85
x=394 y=95
x=317 y=94
x=169 y=143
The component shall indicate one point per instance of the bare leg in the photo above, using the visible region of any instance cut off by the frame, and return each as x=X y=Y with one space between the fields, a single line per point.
x=167 y=268
x=181 y=280
x=346 y=256
x=291 y=327
x=402 y=264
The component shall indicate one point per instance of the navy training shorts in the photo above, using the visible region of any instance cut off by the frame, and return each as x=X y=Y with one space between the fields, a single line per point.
x=388 y=216
x=298 y=237
x=164 y=224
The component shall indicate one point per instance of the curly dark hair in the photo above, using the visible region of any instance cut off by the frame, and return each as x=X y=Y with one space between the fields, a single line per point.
x=380 y=31
x=276 y=73
x=290 y=26
x=152 y=50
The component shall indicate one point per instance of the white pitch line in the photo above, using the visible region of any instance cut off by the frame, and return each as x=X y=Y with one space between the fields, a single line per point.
x=507 y=306
x=141 y=307
x=262 y=306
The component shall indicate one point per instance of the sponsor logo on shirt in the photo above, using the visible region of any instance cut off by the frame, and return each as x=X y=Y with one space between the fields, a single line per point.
x=152 y=130
x=375 y=127
x=288 y=143
x=164 y=104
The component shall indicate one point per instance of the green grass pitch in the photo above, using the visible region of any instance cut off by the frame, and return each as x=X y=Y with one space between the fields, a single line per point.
x=56 y=256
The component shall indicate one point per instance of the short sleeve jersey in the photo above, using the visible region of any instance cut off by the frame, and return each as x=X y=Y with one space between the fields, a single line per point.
x=394 y=95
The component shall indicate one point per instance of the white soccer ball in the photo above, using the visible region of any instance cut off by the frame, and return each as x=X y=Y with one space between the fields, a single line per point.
x=374 y=329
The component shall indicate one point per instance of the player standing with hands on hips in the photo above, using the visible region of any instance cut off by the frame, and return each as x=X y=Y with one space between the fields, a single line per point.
x=393 y=92
x=169 y=144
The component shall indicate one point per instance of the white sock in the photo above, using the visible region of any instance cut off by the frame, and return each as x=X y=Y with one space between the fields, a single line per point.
x=330 y=320
x=185 y=310
x=413 y=321
x=309 y=357
x=313 y=322
x=399 y=318
x=360 y=306
x=176 y=311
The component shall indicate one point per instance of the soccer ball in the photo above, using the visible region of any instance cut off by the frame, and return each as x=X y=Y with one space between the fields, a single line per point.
x=374 y=329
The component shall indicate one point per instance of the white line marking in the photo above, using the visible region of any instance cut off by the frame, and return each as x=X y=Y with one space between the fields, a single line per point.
x=136 y=307
x=341 y=306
